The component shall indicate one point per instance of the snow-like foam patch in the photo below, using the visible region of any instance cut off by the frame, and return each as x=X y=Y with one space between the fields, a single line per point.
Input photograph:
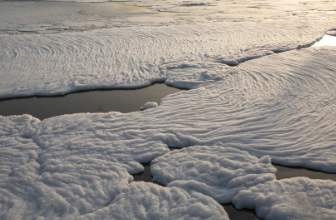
x=50 y=48
x=270 y=106
x=182 y=55
x=326 y=41
x=217 y=171
x=282 y=105
x=144 y=201
x=295 y=198
x=79 y=166
x=33 y=185
x=65 y=182
x=110 y=137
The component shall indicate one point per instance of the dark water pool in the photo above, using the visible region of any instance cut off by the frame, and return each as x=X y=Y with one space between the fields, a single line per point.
x=91 y=101
x=287 y=172
x=236 y=214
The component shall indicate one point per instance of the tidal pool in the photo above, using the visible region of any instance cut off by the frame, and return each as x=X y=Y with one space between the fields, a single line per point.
x=90 y=101
x=288 y=172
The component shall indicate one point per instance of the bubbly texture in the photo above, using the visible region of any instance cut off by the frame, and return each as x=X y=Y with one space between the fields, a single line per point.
x=41 y=182
x=106 y=136
x=217 y=171
x=149 y=201
x=66 y=47
x=281 y=105
x=259 y=95
x=64 y=62
x=294 y=198
x=33 y=185
x=31 y=17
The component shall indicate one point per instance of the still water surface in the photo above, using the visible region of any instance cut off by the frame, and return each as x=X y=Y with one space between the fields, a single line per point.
x=91 y=101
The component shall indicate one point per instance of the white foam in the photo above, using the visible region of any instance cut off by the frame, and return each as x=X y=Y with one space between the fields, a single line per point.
x=217 y=171
x=326 y=41
x=149 y=201
x=148 y=105
x=36 y=186
x=65 y=182
x=48 y=64
x=50 y=48
x=103 y=136
x=281 y=105
x=270 y=106
x=295 y=198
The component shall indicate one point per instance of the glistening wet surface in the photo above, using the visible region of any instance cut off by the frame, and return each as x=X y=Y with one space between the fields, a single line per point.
x=236 y=214
x=145 y=176
x=91 y=101
x=287 y=172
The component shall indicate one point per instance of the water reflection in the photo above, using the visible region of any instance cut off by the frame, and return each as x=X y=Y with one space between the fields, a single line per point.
x=92 y=101
x=287 y=172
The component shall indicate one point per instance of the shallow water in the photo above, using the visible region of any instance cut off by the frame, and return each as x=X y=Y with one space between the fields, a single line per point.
x=287 y=172
x=236 y=214
x=145 y=176
x=91 y=101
